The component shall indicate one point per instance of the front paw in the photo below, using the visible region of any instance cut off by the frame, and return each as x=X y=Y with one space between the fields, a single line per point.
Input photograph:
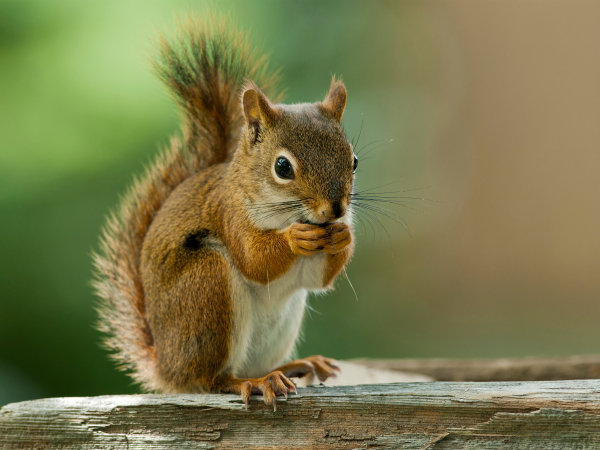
x=340 y=237
x=308 y=239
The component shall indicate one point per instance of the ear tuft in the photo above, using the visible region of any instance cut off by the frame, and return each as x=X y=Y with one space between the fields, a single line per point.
x=335 y=101
x=257 y=107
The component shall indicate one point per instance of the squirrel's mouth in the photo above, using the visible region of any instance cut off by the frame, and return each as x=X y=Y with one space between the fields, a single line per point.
x=308 y=222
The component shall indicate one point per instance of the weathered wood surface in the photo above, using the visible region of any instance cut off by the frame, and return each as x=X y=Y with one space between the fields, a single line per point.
x=434 y=415
x=585 y=367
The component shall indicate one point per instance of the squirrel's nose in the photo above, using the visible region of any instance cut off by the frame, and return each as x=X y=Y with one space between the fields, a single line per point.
x=332 y=211
x=337 y=210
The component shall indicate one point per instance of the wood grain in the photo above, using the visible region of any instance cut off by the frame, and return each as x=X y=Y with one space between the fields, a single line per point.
x=428 y=415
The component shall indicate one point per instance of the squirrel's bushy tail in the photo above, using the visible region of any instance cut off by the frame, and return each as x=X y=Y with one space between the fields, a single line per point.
x=204 y=63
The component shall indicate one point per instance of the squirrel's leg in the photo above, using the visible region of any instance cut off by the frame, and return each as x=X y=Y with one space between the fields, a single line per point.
x=318 y=366
x=188 y=308
x=189 y=311
x=276 y=383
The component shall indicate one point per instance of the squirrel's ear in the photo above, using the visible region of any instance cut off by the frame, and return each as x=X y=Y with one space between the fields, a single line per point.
x=257 y=108
x=335 y=101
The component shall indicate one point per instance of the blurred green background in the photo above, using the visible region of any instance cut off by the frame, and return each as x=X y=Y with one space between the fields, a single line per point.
x=493 y=108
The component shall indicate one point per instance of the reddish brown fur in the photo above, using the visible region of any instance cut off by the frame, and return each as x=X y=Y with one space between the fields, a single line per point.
x=186 y=286
x=118 y=278
x=335 y=102
x=169 y=258
x=186 y=290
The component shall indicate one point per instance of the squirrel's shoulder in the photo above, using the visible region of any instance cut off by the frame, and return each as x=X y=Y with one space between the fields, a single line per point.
x=191 y=205
x=193 y=192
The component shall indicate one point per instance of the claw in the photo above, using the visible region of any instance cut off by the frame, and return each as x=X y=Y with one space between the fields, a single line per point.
x=246 y=392
x=276 y=383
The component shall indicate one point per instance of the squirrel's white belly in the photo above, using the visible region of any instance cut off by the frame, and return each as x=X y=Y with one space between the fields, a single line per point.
x=267 y=319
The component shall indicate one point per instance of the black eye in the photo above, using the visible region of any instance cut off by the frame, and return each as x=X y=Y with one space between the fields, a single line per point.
x=283 y=169
x=355 y=164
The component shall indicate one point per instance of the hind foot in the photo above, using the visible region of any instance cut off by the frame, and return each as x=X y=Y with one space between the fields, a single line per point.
x=313 y=366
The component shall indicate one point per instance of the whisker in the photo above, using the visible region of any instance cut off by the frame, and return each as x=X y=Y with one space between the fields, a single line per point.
x=382 y=226
x=383 y=185
x=377 y=221
x=270 y=214
x=293 y=216
x=369 y=144
x=280 y=207
x=280 y=203
x=398 y=192
x=266 y=206
x=275 y=211
x=363 y=215
x=380 y=195
x=381 y=208
x=362 y=224
x=377 y=147
x=350 y=283
x=395 y=202
x=362 y=160
x=383 y=212
x=362 y=121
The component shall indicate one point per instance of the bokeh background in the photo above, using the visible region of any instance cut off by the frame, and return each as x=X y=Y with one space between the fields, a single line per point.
x=493 y=109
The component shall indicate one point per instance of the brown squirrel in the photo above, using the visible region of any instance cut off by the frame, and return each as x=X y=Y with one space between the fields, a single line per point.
x=205 y=268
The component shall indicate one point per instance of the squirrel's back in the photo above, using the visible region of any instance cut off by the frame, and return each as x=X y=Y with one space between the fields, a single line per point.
x=204 y=64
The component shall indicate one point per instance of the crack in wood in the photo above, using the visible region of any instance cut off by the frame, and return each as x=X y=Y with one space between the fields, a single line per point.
x=434 y=440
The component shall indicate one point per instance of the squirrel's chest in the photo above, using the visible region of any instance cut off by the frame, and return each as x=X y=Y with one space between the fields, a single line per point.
x=267 y=319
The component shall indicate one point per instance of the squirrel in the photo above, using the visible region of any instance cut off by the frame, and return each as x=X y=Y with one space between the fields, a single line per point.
x=204 y=270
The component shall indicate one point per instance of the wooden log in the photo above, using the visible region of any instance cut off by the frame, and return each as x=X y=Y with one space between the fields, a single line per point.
x=504 y=369
x=418 y=416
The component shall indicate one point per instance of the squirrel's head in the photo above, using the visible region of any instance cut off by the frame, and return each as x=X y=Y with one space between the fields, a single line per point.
x=297 y=157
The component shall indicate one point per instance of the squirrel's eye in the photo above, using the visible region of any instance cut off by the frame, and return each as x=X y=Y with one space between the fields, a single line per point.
x=283 y=168
x=355 y=164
